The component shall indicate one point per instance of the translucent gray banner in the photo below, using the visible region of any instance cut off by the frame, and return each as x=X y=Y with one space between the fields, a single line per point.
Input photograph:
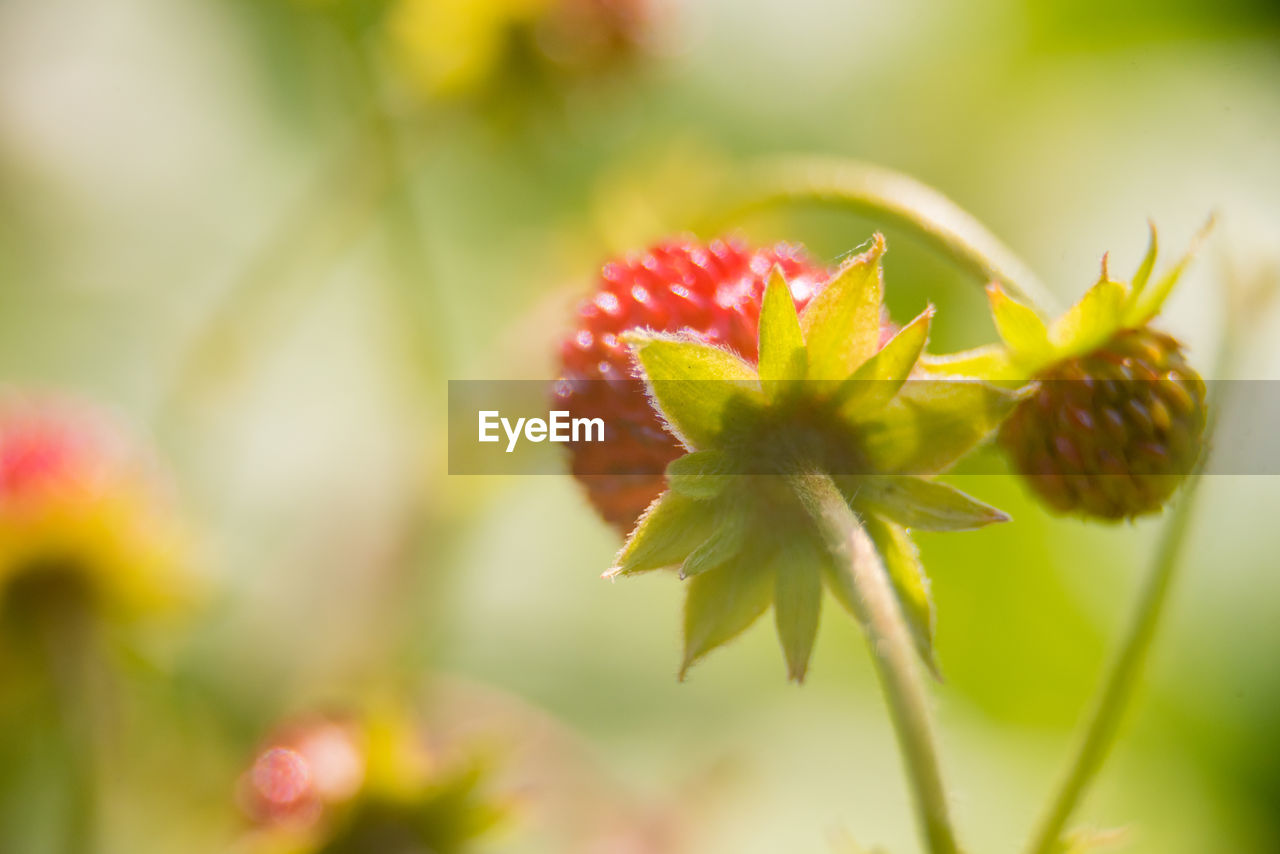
x=510 y=427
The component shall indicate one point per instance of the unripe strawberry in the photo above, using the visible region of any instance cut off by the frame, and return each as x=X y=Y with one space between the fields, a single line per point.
x=1116 y=419
x=712 y=291
x=1112 y=433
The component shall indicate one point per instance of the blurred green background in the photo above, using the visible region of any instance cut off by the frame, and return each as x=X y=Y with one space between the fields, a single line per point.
x=238 y=223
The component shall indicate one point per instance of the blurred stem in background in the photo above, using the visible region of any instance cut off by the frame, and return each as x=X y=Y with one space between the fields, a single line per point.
x=367 y=183
x=891 y=650
x=67 y=648
x=1125 y=670
x=48 y=619
x=325 y=222
x=891 y=197
x=370 y=177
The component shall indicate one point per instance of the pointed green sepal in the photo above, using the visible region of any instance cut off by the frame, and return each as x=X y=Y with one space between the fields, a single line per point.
x=1142 y=307
x=1091 y=321
x=695 y=386
x=933 y=422
x=990 y=362
x=701 y=475
x=726 y=542
x=910 y=584
x=1018 y=325
x=783 y=357
x=916 y=502
x=878 y=379
x=842 y=323
x=798 y=600
x=1143 y=275
x=672 y=527
x=721 y=605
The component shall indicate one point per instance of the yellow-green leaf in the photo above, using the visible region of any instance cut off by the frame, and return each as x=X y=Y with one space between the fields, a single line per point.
x=878 y=379
x=842 y=323
x=798 y=601
x=698 y=388
x=782 y=352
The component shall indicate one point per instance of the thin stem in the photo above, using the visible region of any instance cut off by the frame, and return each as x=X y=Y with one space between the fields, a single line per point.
x=1122 y=676
x=892 y=652
x=896 y=199
x=1118 y=686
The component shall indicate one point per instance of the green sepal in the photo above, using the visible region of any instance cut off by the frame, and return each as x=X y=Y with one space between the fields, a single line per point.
x=727 y=540
x=1019 y=327
x=695 y=386
x=1138 y=283
x=878 y=379
x=720 y=605
x=1142 y=307
x=783 y=357
x=672 y=527
x=988 y=362
x=841 y=324
x=700 y=475
x=1091 y=321
x=910 y=584
x=917 y=502
x=933 y=422
x=798 y=600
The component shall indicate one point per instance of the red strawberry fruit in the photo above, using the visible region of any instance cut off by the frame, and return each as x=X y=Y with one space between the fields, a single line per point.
x=712 y=291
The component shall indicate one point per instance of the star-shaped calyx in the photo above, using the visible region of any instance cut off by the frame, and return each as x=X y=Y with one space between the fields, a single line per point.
x=824 y=404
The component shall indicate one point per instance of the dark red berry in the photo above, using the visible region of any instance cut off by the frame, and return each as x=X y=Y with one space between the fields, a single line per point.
x=1111 y=434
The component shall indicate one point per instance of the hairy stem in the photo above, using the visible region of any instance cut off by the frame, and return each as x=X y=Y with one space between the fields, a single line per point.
x=895 y=199
x=892 y=652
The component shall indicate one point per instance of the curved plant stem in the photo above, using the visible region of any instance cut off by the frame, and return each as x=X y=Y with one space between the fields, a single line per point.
x=896 y=199
x=892 y=652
